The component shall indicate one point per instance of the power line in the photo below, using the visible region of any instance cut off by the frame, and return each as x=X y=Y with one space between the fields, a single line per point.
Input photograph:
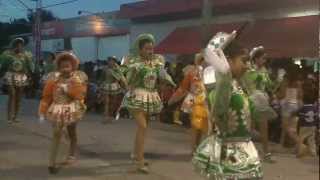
x=24 y=4
x=58 y=4
x=7 y=6
x=14 y=5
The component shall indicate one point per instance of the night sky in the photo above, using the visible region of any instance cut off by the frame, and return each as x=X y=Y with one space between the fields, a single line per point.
x=14 y=9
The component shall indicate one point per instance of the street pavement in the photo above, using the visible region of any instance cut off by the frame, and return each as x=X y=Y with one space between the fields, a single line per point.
x=104 y=151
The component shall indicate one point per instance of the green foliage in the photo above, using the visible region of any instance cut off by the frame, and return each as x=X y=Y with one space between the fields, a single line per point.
x=21 y=26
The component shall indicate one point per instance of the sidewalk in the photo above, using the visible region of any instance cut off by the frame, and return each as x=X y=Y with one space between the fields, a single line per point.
x=105 y=150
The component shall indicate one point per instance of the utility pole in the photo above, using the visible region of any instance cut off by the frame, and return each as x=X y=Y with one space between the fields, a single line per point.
x=37 y=31
x=206 y=19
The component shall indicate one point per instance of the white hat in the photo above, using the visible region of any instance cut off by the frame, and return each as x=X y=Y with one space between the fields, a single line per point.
x=222 y=39
x=255 y=50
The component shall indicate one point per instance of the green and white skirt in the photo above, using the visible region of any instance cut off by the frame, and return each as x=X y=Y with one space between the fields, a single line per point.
x=262 y=108
x=16 y=79
x=111 y=88
x=229 y=160
x=145 y=100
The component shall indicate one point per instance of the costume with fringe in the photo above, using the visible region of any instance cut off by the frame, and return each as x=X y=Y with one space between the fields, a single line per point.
x=229 y=153
x=195 y=102
x=111 y=81
x=257 y=83
x=143 y=79
x=63 y=98
x=16 y=68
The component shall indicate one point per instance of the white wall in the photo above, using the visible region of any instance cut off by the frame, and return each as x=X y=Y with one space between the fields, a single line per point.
x=113 y=46
x=85 y=48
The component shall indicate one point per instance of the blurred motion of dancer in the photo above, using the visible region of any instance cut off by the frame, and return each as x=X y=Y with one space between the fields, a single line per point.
x=63 y=105
x=145 y=69
x=18 y=67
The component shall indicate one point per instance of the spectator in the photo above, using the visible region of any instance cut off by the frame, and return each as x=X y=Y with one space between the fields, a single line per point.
x=308 y=120
x=291 y=95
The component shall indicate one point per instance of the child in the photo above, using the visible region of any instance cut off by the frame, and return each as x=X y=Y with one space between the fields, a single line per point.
x=308 y=121
x=62 y=104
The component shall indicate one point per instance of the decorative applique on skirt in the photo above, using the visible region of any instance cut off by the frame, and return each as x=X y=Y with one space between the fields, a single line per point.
x=142 y=99
x=199 y=117
x=66 y=113
x=16 y=79
x=262 y=107
x=229 y=160
x=111 y=88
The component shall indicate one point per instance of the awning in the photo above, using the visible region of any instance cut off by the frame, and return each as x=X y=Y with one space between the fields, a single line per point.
x=188 y=40
x=287 y=37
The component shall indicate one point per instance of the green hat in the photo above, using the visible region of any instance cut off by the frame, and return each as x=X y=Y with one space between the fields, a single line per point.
x=135 y=49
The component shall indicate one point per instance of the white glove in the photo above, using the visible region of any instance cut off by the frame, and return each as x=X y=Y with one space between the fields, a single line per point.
x=64 y=87
x=209 y=75
x=216 y=59
x=41 y=119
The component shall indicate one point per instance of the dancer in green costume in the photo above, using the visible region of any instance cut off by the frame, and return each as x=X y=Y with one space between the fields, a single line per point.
x=113 y=84
x=145 y=69
x=258 y=84
x=229 y=153
x=16 y=66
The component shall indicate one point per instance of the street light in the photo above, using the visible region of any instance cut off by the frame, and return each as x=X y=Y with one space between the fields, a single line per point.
x=98 y=26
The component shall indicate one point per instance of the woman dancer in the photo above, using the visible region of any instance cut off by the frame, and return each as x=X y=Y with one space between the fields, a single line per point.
x=18 y=66
x=258 y=84
x=112 y=85
x=145 y=69
x=230 y=153
x=192 y=88
x=292 y=96
x=63 y=105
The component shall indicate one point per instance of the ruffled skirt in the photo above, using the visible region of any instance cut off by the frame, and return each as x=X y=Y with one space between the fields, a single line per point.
x=262 y=107
x=229 y=160
x=142 y=99
x=16 y=79
x=111 y=88
x=66 y=113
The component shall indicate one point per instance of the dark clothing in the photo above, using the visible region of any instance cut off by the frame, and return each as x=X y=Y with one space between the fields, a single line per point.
x=308 y=116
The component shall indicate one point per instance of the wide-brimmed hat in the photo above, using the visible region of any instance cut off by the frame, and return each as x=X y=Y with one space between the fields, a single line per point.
x=145 y=36
x=16 y=41
x=112 y=58
x=222 y=39
x=255 y=50
x=67 y=56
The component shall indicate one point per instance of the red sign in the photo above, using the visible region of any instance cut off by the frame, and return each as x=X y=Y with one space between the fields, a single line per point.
x=53 y=28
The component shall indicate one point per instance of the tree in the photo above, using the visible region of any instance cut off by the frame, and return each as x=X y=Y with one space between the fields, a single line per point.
x=16 y=26
x=21 y=26
x=46 y=15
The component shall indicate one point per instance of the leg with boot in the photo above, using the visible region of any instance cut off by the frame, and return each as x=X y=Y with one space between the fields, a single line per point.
x=57 y=134
x=72 y=133
x=138 y=154
x=11 y=105
x=107 y=105
x=290 y=131
x=18 y=95
x=195 y=139
x=264 y=137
